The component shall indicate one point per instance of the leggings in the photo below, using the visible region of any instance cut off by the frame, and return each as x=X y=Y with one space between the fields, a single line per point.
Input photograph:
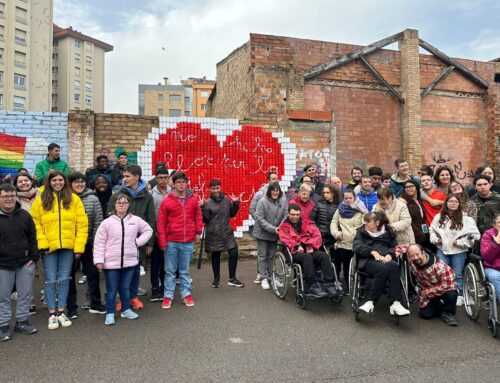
x=233 y=262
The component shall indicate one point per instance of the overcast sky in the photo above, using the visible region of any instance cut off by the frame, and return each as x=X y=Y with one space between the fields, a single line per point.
x=153 y=39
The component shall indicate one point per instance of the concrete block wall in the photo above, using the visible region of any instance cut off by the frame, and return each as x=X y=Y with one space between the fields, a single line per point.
x=24 y=137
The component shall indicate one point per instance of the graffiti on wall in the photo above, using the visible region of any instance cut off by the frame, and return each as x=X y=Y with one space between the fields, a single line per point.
x=461 y=172
x=240 y=156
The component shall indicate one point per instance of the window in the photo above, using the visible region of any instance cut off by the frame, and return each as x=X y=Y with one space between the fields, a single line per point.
x=19 y=80
x=204 y=93
x=55 y=43
x=88 y=99
x=20 y=37
x=77 y=71
x=21 y=15
x=203 y=106
x=1 y=77
x=1 y=99
x=77 y=59
x=88 y=73
x=1 y=53
x=76 y=84
x=160 y=97
x=20 y=59
x=2 y=31
x=88 y=86
x=19 y=102
x=54 y=82
x=187 y=100
x=76 y=96
x=78 y=44
x=88 y=46
x=2 y=9
x=174 y=112
x=55 y=69
x=187 y=113
x=55 y=56
x=160 y=112
x=88 y=60
x=174 y=99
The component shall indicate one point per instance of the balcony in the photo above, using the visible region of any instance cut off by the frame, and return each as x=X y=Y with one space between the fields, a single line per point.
x=20 y=41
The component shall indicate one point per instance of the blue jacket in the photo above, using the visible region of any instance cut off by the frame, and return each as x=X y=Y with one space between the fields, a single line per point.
x=368 y=199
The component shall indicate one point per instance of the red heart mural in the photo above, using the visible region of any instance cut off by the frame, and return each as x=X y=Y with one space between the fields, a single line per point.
x=239 y=156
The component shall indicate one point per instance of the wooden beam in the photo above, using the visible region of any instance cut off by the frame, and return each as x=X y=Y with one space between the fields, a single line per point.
x=382 y=80
x=445 y=72
x=448 y=60
x=315 y=70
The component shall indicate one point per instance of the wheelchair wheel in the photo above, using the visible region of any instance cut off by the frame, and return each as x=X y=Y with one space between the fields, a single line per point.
x=300 y=300
x=355 y=294
x=279 y=277
x=471 y=291
x=405 y=301
x=352 y=271
x=493 y=327
x=336 y=299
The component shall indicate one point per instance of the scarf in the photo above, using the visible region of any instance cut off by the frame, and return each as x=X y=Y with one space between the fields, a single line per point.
x=348 y=211
x=29 y=195
x=377 y=234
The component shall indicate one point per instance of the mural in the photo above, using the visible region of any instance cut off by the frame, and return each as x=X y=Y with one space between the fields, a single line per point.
x=460 y=171
x=240 y=156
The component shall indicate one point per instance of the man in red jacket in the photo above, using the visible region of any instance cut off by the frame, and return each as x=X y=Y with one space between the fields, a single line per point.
x=179 y=227
x=303 y=239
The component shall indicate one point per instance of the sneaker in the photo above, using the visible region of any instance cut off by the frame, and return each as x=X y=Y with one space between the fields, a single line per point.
x=167 y=303
x=141 y=292
x=142 y=272
x=53 y=323
x=257 y=279
x=86 y=306
x=398 y=309
x=118 y=304
x=449 y=319
x=33 y=310
x=72 y=313
x=156 y=294
x=367 y=307
x=5 y=333
x=63 y=320
x=316 y=291
x=331 y=289
x=177 y=281
x=110 y=319
x=265 y=284
x=188 y=301
x=97 y=309
x=13 y=296
x=234 y=282
x=82 y=279
x=460 y=301
x=129 y=314
x=216 y=283
x=136 y=304
x=25 y=327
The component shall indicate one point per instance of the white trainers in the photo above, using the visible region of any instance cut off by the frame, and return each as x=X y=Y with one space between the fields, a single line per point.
x=257 y=280
x=460 y=301
x=265 y=284
x=142 y=272
x=367 y=307
x=63 y=320
x=398 y=309
x=82 y=279
x=53 y=323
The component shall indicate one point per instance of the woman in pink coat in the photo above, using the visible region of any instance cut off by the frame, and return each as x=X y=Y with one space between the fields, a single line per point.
x=116 y=252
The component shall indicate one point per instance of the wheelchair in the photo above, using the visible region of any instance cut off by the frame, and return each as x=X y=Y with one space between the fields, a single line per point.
x=287 y=274
x=479 y=293
x=361 y=281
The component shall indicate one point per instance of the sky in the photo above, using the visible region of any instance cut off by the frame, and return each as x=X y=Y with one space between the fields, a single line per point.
x=178 y=39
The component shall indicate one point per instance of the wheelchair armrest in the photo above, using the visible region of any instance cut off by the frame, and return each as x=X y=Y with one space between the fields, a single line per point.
x=476 y=257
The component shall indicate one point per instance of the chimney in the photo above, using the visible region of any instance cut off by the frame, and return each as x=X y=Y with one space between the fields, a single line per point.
x=166 y=81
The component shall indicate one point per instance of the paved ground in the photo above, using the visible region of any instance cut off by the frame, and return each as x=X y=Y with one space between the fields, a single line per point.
x=249 y=335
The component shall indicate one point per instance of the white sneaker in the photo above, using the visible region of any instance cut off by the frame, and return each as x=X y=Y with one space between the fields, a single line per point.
x=82 y=279
x=367 y=307
x=13 y=296
x=53 y=323
x=265 y=284
x=142 y=272
x=460 y=301
x=63 y=320
x=257 y=280
x=398 y=309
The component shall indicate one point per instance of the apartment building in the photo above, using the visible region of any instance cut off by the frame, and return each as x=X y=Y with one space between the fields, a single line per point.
x=25 y=54
x=187 y=99
x=77 y=71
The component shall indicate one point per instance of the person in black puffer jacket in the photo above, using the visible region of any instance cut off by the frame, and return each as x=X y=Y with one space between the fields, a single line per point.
x=323 y=211
x=374 y=247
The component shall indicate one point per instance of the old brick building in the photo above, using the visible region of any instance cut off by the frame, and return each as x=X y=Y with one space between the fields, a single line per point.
x=344 y=104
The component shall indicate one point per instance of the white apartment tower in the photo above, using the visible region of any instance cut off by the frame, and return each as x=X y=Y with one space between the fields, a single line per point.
x=25 y=54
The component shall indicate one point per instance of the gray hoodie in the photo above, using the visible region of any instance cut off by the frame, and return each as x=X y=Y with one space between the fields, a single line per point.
x=268 y=216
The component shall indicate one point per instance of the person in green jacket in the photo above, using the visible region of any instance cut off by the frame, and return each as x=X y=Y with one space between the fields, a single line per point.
x=52 y=162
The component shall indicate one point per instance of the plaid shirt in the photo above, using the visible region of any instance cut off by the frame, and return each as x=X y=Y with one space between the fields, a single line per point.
x=433 y=281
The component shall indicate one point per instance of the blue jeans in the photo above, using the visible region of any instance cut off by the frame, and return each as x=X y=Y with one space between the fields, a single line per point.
x=134 y=284
x=457 y=262
x=118 y=280
x=178 y=255
x=57 y=266
x=494 y=277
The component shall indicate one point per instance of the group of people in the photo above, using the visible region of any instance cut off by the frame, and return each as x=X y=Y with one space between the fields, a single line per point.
x=109 y=220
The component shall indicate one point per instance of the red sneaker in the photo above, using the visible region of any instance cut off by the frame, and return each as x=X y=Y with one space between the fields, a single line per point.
x=118 y=305
x=167 y=303
x=188 y=301
x=136 y=304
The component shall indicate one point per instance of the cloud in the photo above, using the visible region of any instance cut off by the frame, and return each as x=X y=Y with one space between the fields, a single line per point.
x=197 y=34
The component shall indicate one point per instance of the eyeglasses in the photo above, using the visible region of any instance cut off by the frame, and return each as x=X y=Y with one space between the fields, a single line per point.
x=410 y=187
x=122 y=203
x=8 y=197
x=453 y=201
x=180 y=182
x=79 y=182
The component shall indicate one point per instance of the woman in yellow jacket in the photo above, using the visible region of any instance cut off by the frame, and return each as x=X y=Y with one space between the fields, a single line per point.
x=61 y=230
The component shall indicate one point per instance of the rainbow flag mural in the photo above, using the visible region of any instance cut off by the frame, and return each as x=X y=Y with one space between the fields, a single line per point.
x=11 y=153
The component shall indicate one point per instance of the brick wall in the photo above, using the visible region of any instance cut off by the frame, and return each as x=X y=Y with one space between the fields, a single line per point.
x=24 y=137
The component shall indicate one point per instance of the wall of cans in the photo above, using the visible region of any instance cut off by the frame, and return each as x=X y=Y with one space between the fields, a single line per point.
x=240 y=156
